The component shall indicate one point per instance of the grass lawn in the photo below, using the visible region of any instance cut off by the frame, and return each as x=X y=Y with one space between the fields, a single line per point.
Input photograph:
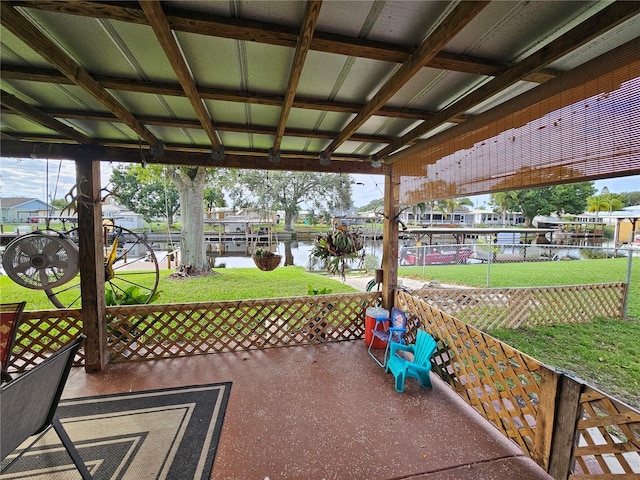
x=605 y=352
x=246 y=283
x=537 y=274
x=230 y=284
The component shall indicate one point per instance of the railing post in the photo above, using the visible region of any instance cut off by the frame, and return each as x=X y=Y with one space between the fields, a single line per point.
x=545 y=419
x=489 y=258
x=568 y=412
x=91 y=263
x=390 y=241
x=625 y=298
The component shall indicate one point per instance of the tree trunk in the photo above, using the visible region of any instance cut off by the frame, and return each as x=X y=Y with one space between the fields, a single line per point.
x=289 y=218
x=288 y=254
x=190 y=185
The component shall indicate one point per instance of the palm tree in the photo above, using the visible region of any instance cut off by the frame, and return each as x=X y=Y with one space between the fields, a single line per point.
x=605 y=202
x=615 y=204
x=423 y=209
x=417 y=209
x=432 y=204
x=449 y=205
x=502 y=200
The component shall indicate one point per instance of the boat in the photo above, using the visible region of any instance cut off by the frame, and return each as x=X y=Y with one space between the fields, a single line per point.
x=429 y=255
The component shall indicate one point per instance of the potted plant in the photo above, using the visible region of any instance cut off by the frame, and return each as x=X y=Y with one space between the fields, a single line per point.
x=266 y=260
x=336 y=249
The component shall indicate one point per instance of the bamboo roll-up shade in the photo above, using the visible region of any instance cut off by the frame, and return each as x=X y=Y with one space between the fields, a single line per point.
x=584 y=126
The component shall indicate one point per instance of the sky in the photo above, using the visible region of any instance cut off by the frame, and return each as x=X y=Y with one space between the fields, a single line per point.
x=36 y=178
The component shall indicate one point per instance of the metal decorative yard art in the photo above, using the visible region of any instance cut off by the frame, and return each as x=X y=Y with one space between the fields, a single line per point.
x=48 y=260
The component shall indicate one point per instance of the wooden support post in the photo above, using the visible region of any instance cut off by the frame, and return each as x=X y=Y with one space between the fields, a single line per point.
x=91 y=263
x=545 y=417
x=390 y=241
x=568 y=412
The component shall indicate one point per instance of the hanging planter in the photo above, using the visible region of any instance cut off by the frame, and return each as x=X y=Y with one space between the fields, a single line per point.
x=265 y=260
x=337 y=248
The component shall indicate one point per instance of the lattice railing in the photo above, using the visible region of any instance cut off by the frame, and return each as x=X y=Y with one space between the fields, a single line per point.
x=156 y=331
x=569 y=428
x=499 y=381
x=42 y=332
x=608 y=438
x=488 y=308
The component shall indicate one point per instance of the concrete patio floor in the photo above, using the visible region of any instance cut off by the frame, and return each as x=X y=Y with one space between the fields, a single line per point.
x=327 y=412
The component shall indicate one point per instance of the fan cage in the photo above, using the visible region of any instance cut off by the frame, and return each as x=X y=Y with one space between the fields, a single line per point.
x=41 y=260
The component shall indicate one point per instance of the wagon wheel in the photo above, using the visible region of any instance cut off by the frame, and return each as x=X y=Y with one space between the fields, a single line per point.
x=130 y=268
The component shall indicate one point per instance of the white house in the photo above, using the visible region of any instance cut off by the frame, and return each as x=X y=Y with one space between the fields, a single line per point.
x=462 y=217
x=491 y=218
x=129 y=220
x=123 y=217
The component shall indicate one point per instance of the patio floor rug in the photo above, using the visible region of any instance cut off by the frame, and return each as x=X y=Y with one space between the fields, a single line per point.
x=167 y=434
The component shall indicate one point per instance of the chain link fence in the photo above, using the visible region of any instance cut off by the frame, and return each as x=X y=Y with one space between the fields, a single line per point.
x=519 y=265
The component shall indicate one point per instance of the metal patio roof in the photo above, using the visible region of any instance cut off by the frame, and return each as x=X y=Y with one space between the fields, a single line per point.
x=336 y=86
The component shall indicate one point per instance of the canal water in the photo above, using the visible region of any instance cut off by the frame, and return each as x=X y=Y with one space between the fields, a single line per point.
x=236 y=254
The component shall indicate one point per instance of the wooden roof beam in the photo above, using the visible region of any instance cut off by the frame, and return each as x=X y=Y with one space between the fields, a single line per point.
x=457 y=19
x=18 y=72
x=273 y=34
x=195 y=124
x=158 y=21
x=17 y=24
x=591 y=28
x=34 y=114
x=26 y=141
x=291 y=161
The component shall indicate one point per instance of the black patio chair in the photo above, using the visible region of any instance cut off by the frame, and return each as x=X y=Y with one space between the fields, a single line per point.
x=28 y=405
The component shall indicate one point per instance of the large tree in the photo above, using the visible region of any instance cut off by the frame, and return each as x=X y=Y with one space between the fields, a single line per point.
x=571 y=198
x=163 y=190
x=287 y=191
x=374 y=205
x=147 y=191
x=560 y=199
x=190 y=182
x=629 y=199
x=532 y=202
x=197 y=186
